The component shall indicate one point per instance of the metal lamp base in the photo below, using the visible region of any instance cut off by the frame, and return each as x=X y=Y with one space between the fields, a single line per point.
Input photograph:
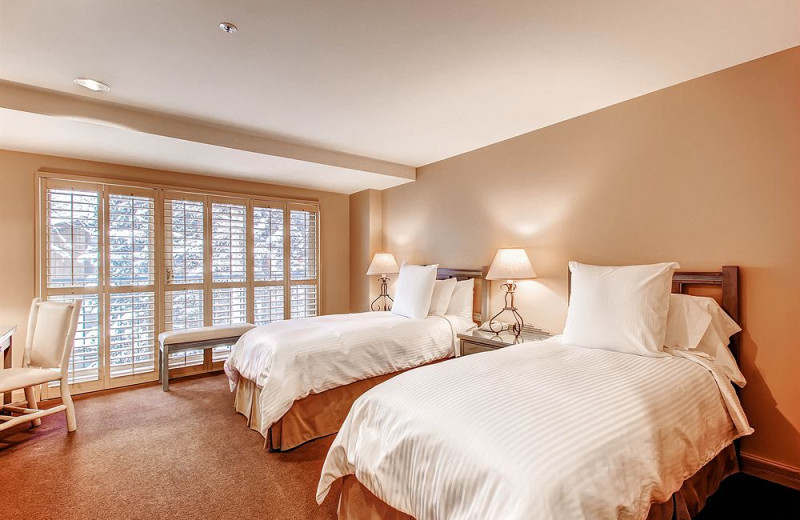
x=516 y=328
x=383 y=295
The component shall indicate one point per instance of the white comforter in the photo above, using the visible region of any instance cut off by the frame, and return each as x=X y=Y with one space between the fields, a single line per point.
x=293 y=358
x=536 y=431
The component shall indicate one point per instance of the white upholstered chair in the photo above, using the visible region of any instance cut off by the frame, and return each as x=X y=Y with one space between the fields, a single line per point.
x=51 y=332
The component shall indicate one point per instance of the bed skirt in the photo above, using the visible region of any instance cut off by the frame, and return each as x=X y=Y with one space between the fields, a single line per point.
x=309 y=418
x=356 y=502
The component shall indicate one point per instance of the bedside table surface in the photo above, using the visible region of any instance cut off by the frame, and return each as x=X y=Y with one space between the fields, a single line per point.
x=505 y=338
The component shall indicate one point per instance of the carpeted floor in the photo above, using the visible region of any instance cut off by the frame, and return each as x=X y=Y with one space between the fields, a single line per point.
x=142 y=453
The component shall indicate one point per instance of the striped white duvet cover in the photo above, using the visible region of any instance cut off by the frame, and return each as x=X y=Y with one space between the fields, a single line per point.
x=293 y=358
x=541 y=431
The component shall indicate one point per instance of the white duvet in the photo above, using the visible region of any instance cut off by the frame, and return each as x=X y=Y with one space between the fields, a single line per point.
x=539 y=431
x=293 y=358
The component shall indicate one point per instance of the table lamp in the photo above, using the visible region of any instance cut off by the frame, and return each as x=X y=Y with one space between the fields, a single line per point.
x=382 y=264
x=510 y=264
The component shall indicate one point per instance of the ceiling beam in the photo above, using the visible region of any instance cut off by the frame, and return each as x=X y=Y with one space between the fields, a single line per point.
x=16 y=96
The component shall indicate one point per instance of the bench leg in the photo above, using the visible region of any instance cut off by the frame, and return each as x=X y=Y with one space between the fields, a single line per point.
x=165 y=369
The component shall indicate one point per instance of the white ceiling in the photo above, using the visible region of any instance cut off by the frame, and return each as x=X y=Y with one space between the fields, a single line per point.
x=409 y=82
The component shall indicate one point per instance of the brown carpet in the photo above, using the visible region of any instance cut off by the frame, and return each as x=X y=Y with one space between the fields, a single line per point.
x=143 y=453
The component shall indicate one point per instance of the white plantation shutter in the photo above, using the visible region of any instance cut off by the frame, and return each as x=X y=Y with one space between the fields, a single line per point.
x=184 y=250
x=269 y=304
x=230 y=305
x=131 y=276
x=304 y=301
x=73 y=237
x=228 y=242
x=183 y=309
x=268 y=232
x=132 y=327
x=185 y=261
x=131 y=240
x=145 y=260
x=303 y=261
x=71 y=261
x=269 y=255
x=228 y=266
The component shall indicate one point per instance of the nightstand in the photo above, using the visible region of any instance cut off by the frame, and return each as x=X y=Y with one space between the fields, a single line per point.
x=475 y=341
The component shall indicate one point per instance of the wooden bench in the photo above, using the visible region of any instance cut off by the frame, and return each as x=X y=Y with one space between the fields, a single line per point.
x=197 y=338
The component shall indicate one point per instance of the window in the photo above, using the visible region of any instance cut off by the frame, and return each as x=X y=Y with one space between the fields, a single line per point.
x=145 y=260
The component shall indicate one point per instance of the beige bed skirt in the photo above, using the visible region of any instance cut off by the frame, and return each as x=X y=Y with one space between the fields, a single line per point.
x=312 y=417
x=356 y=502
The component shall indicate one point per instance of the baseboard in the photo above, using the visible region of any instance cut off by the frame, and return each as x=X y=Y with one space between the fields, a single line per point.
x=770 y=470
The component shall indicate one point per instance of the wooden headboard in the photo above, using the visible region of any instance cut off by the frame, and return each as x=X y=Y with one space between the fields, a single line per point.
x=723 y=285
x=480 y=302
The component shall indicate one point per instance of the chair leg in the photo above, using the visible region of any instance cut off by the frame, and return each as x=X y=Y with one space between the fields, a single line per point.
x=30 y=396
x=66 y=398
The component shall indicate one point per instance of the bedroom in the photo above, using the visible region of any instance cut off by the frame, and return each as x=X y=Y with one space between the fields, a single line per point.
x=614 y=134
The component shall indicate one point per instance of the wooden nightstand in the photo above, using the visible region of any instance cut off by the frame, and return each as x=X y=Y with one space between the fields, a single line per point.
x=476 y=341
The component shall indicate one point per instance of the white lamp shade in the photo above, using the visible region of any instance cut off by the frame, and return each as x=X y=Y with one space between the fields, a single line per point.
x=511 y=264
x=382 y=263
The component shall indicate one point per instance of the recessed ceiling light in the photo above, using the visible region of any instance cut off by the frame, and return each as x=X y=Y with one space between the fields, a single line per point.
x=92 y=84
x=228 y=27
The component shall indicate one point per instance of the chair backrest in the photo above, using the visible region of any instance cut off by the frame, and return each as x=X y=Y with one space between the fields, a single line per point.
x=51 y=333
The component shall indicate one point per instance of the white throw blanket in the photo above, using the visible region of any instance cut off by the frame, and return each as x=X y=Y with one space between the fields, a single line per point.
x=537 y=430
x=293 y=358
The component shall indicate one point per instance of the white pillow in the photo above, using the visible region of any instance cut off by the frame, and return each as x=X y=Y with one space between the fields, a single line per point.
x=414 y=291
x=716 y=339
x=699 y=323
x=687 y=322
x=442 y=292
x=461 y=301
x=619 y=308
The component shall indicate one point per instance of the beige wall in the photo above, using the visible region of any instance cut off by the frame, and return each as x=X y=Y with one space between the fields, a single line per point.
x=17 y=213
x=706 y=173
x=365 y=241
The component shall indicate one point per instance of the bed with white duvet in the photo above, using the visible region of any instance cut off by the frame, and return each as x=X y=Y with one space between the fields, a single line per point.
x=607 y=421
x=291 y=359
x=295 y=380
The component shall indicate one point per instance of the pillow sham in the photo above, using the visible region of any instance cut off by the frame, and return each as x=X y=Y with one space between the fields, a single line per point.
x=414 y=291
x=687 y=322
x=698 y=323
x=716 y=339
x=622 y=308
x=461 y=301
x=442 y=293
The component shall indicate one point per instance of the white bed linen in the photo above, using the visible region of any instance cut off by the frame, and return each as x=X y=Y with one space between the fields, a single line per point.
x=293 y=358
x=538 y=430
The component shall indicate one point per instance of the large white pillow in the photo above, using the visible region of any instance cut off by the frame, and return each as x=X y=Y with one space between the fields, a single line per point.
x=620 y=308
x=461 y=301
x=442 y=292
x=414 y=290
